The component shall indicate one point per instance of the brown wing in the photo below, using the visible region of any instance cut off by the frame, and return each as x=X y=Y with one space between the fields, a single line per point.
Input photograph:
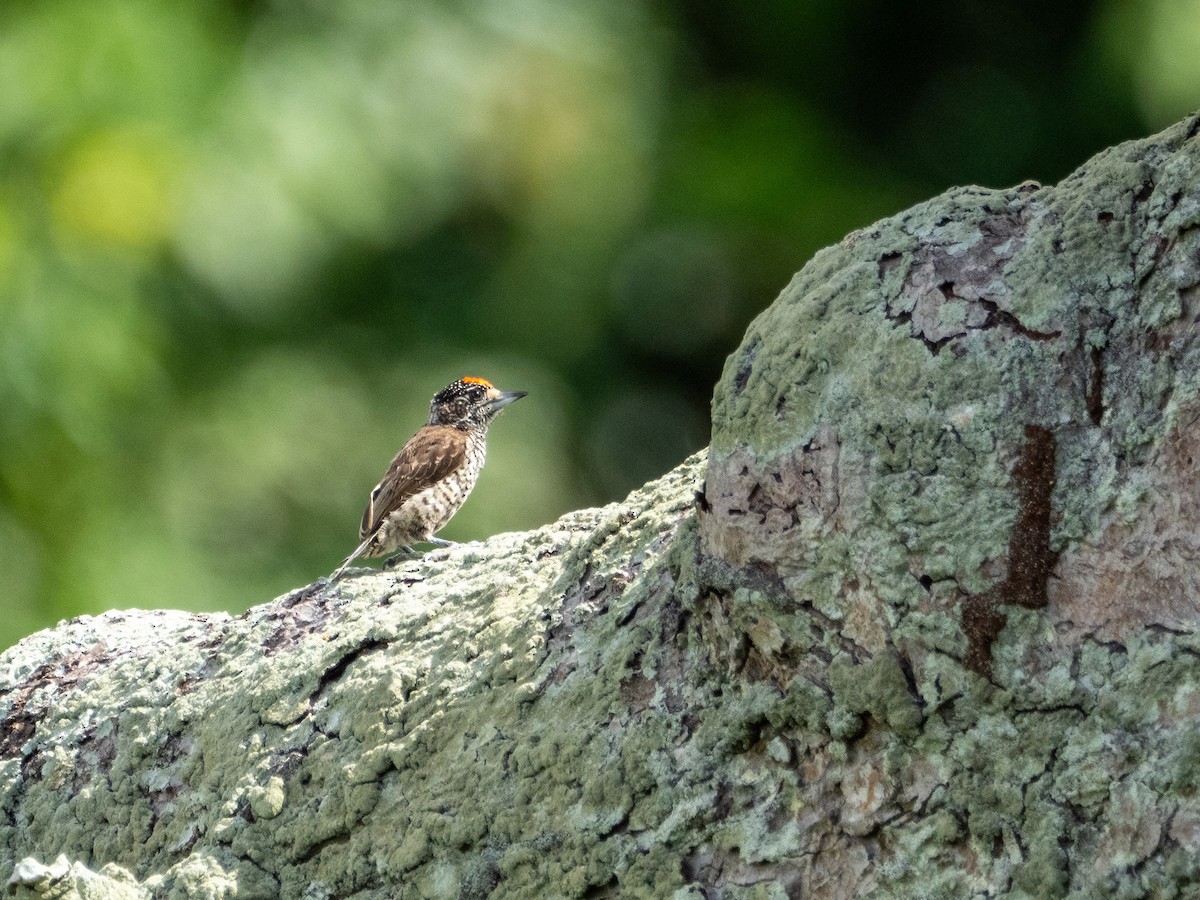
x=429 y=456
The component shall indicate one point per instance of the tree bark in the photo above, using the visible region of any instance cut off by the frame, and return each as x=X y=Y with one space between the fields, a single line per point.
x=922 y=622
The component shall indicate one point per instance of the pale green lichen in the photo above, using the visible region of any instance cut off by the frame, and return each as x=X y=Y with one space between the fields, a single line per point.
x=64 y=880
x=927 y=435
x=433 y=728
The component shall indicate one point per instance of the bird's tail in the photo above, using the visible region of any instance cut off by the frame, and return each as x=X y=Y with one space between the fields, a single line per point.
x=358 y=551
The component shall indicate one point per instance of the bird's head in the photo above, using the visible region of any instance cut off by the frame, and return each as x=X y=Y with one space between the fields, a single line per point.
x=469 y=403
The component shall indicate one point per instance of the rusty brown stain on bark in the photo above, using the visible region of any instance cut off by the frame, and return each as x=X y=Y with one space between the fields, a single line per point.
x=1030 y=558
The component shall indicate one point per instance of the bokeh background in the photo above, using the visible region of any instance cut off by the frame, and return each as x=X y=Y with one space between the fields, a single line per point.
x=243 y=243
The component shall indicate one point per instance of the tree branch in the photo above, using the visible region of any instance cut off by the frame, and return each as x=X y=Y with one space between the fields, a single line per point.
x=923 y=621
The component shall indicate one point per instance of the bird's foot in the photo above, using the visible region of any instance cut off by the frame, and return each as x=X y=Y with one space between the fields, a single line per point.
x=440 y=542
x=405 y=553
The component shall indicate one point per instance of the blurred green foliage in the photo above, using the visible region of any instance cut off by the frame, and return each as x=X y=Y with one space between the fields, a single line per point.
x=242 y=244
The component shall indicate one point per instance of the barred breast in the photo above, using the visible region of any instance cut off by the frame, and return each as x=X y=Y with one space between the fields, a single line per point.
x=423 y=514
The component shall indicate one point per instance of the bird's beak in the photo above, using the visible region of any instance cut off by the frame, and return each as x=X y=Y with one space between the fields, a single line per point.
x=503 y=398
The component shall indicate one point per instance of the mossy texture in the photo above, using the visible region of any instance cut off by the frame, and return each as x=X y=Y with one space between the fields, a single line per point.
x=961 y=447
x=876 y=643
x=477 y=723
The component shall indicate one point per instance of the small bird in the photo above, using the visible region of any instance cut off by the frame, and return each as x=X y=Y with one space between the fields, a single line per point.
x=431 y=476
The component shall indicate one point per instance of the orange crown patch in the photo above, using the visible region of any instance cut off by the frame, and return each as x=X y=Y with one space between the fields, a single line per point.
x=470 y=380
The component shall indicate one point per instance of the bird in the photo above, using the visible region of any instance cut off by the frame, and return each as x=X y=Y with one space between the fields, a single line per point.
x=429 y=479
